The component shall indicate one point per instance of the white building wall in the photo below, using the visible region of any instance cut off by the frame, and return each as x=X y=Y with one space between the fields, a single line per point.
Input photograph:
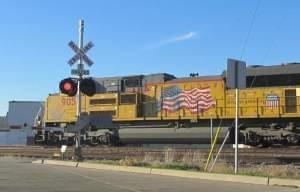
x=21 y=117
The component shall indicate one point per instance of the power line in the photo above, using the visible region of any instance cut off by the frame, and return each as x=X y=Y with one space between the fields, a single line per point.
x=250 y=29
x=273 y=42
x=246 y=41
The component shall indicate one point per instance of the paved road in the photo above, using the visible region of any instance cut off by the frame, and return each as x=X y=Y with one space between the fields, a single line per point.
x=20 y=175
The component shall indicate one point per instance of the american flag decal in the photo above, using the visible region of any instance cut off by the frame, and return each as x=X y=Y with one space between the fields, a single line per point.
x=196 y=100
x=272 y=101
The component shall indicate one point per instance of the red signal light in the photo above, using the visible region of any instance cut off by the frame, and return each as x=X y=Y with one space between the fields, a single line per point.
x=68 y=86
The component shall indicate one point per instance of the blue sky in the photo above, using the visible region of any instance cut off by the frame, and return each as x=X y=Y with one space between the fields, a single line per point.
x=139 y=36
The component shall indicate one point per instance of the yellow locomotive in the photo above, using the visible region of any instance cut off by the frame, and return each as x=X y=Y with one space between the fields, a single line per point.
x=161 y=108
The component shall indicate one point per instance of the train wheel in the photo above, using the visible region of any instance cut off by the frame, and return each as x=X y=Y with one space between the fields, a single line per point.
x=102 y=139
x=94 y=141
x=293 y=139
x=108 y=139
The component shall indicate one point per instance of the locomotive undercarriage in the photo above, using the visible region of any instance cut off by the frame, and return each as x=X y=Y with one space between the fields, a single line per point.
x=273 y=134
x=92 y=138
x=254 y=132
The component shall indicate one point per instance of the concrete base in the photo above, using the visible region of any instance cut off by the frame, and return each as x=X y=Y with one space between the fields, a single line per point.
x=284 y=182
x=243 y=146
x=115 y=168
x=211 y=176
x=62 y=163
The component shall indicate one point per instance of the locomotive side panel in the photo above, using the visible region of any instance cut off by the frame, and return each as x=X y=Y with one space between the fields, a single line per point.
x=265 y=102
x=270 y=102
x=61 y=109
x=122 y=106
x=103 y=103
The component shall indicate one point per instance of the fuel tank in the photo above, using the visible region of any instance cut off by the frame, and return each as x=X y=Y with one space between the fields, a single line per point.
x=195 y=135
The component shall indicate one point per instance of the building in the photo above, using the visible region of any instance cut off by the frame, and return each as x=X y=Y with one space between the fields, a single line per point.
x=17 y=127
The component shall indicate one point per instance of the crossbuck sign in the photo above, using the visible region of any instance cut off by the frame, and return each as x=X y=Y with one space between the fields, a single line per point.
x=80 y=53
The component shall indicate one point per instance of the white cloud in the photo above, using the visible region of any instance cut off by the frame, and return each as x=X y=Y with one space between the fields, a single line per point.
x=179 y=38
x=183 y=37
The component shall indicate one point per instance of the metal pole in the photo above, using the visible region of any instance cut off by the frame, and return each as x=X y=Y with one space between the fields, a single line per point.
x=80 y=66
x=211 y=135
x=80 y=69
x=236 y=130
x=211 y=132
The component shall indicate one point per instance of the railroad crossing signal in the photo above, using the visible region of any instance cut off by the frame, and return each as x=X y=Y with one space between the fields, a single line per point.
x=88 y=86
x=69 y=86
x=80 y=53
x=84 y=85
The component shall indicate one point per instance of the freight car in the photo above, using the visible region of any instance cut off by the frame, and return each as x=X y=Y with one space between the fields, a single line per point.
x=161 y=108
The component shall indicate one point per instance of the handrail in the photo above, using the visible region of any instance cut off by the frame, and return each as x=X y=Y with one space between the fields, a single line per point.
x=257 y=107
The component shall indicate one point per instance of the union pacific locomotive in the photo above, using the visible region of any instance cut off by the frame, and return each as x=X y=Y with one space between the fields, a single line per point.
x=160 y=108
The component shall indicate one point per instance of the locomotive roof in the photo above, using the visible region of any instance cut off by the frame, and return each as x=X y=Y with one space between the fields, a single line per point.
x=283 y=69
x=127 y=76
x=261 y=70
x=210 y=78
x=252 y=70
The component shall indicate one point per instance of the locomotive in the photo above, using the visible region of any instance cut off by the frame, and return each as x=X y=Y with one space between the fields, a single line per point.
x=161 y=108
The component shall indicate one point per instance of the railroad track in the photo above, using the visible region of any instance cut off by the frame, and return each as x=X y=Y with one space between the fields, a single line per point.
x=253 y=155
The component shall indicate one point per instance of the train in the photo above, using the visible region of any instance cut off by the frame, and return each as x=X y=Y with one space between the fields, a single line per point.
x=164 y=109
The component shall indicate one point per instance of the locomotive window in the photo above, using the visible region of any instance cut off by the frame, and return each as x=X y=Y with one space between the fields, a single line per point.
x=128 y=99
x=102 y=101
x=133 y=82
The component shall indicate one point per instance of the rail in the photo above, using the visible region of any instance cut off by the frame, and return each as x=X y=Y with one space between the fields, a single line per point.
x=255 y=155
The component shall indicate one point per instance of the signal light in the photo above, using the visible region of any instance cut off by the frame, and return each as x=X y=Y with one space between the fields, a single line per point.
x=68 y=86
x=88 y=86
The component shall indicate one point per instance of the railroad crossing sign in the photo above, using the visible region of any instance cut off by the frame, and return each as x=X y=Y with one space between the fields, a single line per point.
x=80 y=53
x=80 y=57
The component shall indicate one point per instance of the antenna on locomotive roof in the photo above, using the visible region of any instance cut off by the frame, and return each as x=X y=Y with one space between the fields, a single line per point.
x=194 y=74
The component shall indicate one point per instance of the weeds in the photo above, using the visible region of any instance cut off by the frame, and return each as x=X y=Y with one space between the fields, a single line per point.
x=286 y=171
x=192 y=161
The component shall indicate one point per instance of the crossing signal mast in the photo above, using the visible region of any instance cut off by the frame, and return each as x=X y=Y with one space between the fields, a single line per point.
x=79 y=84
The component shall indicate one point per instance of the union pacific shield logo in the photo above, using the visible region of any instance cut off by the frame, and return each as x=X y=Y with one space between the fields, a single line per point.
x=272 y=101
